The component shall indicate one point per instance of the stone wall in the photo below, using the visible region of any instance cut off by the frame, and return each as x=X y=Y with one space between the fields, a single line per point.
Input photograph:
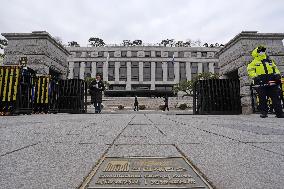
x=150 y=103
x=42 y=51
x=236 y=54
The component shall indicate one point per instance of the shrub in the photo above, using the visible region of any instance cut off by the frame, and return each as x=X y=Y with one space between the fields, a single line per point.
x=142 y=107
x=162 y=107
x=120 y=107
x=182 y=106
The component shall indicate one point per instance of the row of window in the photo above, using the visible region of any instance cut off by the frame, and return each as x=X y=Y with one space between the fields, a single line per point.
x=146 y=70
x=170 y=54
x=141 y=86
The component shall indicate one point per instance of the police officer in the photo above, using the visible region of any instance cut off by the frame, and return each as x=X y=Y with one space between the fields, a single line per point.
x=267 y=79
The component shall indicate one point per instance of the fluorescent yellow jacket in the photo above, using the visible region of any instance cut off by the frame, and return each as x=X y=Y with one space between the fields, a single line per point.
x=261 y=65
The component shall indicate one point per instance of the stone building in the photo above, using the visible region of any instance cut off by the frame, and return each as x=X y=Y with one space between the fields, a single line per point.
x=141 y=67
x=236 y=54
x=44 y=54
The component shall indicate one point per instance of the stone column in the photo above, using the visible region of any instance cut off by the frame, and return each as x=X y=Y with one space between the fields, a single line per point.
x=82 y=70
x=128 y=81
x=211 y=68
x=140 y=71
x=105 y=71
x=71 y=70
x=153 y=75
x=116 y=71
x=94 y=69
x=165 y=71
x=188 y=71
x=200 y=66
x=176 y=71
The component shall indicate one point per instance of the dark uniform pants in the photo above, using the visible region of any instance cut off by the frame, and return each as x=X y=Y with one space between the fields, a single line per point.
x=274 y=93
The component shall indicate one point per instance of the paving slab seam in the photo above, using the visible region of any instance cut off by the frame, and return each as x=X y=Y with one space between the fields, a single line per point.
x=217 y=134
x=7 y=153
x=88 y=178
x=195 y=167
x=155 y=125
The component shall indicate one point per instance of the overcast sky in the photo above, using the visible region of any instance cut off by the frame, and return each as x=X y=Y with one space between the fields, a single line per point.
x=149 y=20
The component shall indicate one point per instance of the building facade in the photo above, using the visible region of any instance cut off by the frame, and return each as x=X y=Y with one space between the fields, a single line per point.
x=44 y=54
x=141 y=67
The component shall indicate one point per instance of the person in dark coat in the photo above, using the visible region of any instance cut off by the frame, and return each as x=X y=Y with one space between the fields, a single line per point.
x=166 y=103
x=96 y=88
x=136 y=108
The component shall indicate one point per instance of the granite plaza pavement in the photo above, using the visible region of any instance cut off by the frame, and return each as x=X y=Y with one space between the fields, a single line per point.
x=60 y=150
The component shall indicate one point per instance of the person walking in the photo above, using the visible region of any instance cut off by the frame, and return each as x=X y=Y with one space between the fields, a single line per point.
x=266 y=79
x=136 y=104
x=166 y=106
x=96 y=88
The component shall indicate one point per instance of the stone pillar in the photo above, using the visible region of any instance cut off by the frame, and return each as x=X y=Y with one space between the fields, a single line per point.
x=200 y=70
x=153 y=75
x=105 y=71
x=165 y=71
x=94 y=69
x=176 y=71
x=140 y=71
x=128 y=81
x=116 y=71
x=188 y=71
x=71 y=70
x=211 y=68
x=82 y=70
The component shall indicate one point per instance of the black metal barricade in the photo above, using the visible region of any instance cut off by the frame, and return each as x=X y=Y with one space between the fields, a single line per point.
x=217 y=96
x=72 y=96
x=45 y=95
x=16 y=90
x=255 y=101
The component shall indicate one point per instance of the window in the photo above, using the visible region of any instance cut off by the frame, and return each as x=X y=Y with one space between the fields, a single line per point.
x=111 y=69
x=76 y=70
x=182 y=71
x=147 y=53
x=181 y=54
x=158 y=53
x=123 y=71
x=78 y=54
x=205 y=67
x=123 y=53
x=100 y=54
x=193 y=54
x=194 y=69
x=147 y=71
x=88 y=69
x=159 y=71
x=134 y=71
x=88 y=54
x=204 y=54
x=117 y=87
x=171 y=73
x=134 y=53
x=170 y=54
x=111 y=54
x=216 y=68
x=99 y=68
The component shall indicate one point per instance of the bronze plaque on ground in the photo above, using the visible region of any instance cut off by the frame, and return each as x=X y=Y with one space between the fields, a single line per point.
x=146 y=172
